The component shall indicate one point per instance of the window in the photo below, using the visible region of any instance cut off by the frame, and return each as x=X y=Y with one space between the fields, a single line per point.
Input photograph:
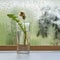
x=44 y=30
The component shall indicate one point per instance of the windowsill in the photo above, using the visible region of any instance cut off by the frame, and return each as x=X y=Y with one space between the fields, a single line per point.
x=34 y=55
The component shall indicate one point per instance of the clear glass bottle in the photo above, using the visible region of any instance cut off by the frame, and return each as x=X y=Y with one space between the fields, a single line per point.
x=23 y=40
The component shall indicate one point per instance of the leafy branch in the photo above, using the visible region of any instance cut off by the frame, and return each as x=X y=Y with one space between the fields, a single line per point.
x=13 y=17
x=18 y=21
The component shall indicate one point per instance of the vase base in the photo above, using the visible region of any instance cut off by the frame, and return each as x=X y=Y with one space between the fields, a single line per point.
x=23 y=49
x=22 y=52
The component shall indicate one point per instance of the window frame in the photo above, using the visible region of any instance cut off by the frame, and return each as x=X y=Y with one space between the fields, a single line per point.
x=32 y=48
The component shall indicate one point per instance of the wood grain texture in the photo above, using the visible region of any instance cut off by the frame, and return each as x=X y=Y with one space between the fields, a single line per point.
x=32 y=48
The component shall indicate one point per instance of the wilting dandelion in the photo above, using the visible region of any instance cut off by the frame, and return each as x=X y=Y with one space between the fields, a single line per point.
x=22 y=14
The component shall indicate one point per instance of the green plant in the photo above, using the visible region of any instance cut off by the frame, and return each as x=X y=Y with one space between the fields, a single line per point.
x=21 y=25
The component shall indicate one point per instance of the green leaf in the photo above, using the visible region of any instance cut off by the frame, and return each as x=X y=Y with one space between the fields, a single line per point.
x=11 y=16
x=18 y=21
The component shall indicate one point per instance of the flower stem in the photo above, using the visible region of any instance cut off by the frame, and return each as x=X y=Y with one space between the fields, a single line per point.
x=23 y=28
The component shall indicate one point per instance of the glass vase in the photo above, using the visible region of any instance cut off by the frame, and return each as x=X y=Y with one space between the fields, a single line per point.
x=23 y=40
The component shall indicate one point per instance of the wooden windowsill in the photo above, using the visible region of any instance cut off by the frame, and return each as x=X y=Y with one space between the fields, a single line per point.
x=32 y=48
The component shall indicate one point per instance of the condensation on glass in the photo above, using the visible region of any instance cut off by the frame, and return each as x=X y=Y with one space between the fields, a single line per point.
x=43 y=15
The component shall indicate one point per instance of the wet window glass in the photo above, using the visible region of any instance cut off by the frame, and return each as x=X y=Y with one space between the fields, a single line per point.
x=43 y=16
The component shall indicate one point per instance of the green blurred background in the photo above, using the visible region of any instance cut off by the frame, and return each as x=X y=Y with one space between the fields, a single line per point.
x=8 y=27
